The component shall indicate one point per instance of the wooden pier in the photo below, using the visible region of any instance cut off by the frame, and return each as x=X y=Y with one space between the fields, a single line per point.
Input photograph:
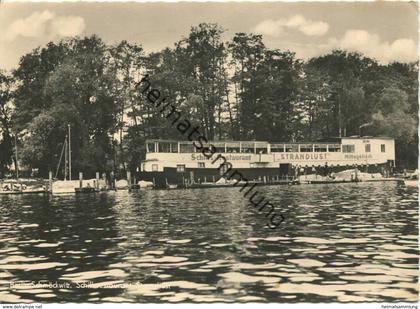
x=81 y=186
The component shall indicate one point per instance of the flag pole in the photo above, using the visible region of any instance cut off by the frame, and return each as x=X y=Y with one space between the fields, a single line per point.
x=16 y=158
x=69 y=151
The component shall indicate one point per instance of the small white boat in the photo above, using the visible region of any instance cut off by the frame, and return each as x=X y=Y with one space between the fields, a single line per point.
x=170 y=185
x=73 y=186
x=121 y=184
x=411 y=183
x=21 y=187
x=64 y=186
x=145 y=184
x=413 y=180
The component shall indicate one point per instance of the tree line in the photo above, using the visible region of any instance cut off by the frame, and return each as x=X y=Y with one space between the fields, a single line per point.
x=235 y=90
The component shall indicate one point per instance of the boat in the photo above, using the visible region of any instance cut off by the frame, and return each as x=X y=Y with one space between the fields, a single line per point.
x=23 y=186
x=73 y=186
x=413 y=180
x=65 y=186
x=170 y=186
x=411 y=183
x=319 y=179
x=145 y=184
x=183 y=163
x=121 y=184
x=30 y=191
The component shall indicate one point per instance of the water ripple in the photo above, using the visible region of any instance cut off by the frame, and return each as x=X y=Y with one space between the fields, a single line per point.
x=346 y=243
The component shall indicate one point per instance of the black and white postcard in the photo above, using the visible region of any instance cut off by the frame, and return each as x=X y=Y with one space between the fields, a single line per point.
x=209 y=152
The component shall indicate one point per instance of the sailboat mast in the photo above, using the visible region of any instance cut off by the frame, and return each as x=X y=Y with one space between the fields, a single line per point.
x=16 y=158
x=69 y=152
x=63 y=151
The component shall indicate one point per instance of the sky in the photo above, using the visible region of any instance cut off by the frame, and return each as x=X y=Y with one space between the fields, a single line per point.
x=386 y=31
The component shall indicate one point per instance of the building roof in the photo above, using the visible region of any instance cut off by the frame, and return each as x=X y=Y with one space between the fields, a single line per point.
x=321 y=141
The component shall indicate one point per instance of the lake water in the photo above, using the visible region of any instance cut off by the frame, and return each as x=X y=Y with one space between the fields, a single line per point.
x=342 y=242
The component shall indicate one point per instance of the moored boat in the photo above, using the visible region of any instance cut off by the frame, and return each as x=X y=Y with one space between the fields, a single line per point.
x=22 y=186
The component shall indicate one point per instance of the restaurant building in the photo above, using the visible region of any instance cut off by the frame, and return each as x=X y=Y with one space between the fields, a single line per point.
x=170 y=161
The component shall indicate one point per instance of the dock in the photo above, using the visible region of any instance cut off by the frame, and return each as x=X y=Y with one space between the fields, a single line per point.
x=99 y=185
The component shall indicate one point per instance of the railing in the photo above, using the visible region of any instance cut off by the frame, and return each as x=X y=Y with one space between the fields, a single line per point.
x=241 y=147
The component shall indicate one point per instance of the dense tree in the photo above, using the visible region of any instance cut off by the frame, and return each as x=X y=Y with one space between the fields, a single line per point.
x=394 y=119
x=278 y=113
x=238 y=89
x=6 y=139
x=247 y=54
x=346 y=93
x=315 y=103
x=203 y=57
x=75 y=88
x=126 y=62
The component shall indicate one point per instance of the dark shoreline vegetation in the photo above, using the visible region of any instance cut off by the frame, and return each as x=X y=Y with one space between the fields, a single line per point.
x=235 y=90
x=183 y=125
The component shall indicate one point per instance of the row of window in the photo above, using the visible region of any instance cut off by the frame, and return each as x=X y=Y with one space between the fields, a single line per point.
x=305 y=148
x=350 y=148
x=190 y=148
x=172 y=147
x=180 y=168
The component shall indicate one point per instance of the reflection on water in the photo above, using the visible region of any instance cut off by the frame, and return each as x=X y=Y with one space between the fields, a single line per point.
x=349 y=242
